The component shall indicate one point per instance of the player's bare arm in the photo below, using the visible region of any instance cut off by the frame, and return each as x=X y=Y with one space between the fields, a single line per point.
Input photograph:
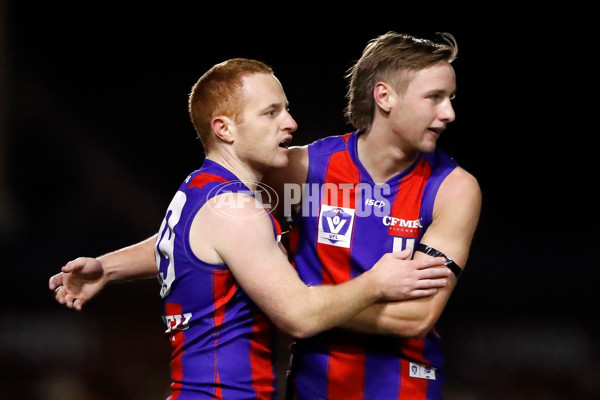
x=245 y=241
x=456 y=214
x=83 y=278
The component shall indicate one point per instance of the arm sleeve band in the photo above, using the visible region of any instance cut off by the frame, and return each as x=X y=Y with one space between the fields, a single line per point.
x=430 y=251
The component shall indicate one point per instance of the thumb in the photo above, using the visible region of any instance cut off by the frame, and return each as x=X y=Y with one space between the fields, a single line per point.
x=74 y=265
x=402 y=255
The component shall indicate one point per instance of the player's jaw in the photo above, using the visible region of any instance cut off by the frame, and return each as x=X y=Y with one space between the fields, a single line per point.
x=280 y=151
x=284 y=138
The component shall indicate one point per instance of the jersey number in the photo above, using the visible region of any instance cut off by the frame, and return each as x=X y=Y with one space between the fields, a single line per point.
x=166 y=243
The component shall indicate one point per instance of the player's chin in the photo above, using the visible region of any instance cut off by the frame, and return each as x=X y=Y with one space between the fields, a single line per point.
x=281 y=162
x=281 y=158
x=428 y=145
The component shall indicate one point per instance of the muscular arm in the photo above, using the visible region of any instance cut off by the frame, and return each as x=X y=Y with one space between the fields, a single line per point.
x=455 y=216
x=456 y=212
x=246 y=243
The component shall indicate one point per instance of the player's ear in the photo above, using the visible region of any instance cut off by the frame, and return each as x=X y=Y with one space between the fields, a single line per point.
x=222 y=127
x=384 y=96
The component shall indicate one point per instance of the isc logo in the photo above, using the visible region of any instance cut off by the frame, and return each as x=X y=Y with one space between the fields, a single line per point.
x=374 y=203
x=335 y=225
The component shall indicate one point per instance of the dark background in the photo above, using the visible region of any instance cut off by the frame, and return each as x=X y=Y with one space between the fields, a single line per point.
x=95 y=139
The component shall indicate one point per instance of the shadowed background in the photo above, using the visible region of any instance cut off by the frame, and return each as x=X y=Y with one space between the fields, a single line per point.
x=95 y=138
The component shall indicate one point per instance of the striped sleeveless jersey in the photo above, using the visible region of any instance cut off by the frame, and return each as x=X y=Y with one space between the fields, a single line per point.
x=221 y=342
x=346 y=224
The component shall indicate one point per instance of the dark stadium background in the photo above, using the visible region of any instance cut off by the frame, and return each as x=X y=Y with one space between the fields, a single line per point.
x=95 y=138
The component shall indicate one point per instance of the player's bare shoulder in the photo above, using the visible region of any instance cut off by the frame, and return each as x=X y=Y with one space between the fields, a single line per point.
x=462 y=186
x=226 y=221
x=458 y=200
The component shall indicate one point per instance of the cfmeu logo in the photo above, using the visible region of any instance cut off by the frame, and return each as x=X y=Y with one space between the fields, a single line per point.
x=335 y=226
x=227 y=197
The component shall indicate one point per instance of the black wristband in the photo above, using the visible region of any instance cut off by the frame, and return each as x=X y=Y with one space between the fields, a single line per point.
x=430 y=251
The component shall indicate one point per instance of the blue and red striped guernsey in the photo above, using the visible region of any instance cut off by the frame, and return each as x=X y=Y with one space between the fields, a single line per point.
x=347 y=222
x=222 y=343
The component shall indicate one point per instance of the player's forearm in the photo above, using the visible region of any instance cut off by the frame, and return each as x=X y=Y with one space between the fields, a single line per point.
x=132 y=262
x=326 y=306
x=403 y=319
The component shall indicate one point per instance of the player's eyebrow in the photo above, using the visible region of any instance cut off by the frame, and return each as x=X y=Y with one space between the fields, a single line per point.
x=277 y=106
x=441 y=92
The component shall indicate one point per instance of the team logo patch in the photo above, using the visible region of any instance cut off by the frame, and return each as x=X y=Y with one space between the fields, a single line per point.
x=421 y=371
x=335 y=226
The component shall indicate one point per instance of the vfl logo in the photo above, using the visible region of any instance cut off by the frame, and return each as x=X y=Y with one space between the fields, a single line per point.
x=335 y=226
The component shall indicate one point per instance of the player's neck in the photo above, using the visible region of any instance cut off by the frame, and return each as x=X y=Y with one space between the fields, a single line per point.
x=382 y=156
x=241 y=170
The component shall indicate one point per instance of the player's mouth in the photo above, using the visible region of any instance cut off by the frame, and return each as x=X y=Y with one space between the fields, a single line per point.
x=285 y=143
x=437 y=131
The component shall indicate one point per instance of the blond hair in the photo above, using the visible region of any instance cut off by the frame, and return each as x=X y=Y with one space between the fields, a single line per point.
x=390 y=58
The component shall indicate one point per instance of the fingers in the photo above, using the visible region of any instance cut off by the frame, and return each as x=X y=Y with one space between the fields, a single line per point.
x=432 y=284
x=416 y=294
x=430 y=281
x=430 y=262
x=77 y=304
x=59 y=294
x=425 y=262
x=63 y=296
x=55 y=281
x=434 y=272
x=68 y=299
x=59 y=283
x=428 y=287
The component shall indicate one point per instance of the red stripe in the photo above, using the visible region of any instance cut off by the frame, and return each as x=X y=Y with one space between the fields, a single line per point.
x=346 y=373
x=277 y=225
x=406 y=209
x=261 y=345
x=223 y=291
x=341 y=169
x=346 y=366
x=176 y=340
x=412 y=388
x=407 y=205
x=263 y=378
x=203 y=178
